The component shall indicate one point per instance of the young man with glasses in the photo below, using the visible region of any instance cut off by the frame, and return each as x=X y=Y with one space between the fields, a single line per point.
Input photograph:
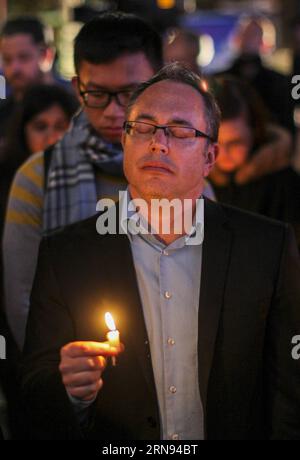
x=113 y=53
x=207 y=328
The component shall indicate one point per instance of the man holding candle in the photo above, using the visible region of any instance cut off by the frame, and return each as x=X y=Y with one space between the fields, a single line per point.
x=207 y=327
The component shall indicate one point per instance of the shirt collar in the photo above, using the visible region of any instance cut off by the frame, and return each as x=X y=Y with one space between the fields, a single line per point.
x=130 y=219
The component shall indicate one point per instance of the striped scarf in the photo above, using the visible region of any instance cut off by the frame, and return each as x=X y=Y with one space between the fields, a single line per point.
x=70 y=194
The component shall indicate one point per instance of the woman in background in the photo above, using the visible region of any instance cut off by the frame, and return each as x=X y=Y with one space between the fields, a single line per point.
x=39 y=121
x=243 y=132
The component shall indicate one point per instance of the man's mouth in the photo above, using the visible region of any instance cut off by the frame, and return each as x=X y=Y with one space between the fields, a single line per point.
x=156 y=166
x=112 y=134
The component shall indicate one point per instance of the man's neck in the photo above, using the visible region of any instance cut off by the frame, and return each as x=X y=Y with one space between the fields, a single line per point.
x=179 y=222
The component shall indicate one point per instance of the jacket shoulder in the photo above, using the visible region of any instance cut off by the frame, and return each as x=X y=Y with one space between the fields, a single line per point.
x=245 y=222
x=78 y=231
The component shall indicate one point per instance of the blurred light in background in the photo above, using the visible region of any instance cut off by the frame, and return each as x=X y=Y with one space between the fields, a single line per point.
x=220 y=32
x=297 y=116
x=2 y=87
x=215 y=30
x=269 y=34
x=65 y=48
x=207 y=50
x=217 y=25
x=205 y=85
x=166 y=4
x=171 y=36
x=280 y=60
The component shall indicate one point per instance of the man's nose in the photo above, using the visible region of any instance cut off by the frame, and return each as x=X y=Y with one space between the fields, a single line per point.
x=160 y=142
x=14 y=66
x=114 y=110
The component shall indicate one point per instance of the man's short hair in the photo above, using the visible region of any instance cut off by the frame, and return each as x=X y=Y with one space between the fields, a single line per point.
x=112 y=34
x=178 y=73
x=28 y=25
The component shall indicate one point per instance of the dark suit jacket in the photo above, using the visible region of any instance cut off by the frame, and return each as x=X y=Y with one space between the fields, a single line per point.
x=248 y=313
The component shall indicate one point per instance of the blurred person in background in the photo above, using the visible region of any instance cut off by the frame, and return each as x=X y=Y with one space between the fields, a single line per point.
x=27 y=57
x=244 y=131
x=39 y=121
x=273 y=87
x=183 y=46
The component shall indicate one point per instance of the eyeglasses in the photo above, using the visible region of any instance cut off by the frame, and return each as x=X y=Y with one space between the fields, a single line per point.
x=143 y=130
x=100 y=99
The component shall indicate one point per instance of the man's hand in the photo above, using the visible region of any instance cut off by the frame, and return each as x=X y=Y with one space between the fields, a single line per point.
x=82 y=365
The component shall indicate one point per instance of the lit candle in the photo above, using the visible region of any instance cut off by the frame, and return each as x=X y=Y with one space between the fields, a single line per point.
x=113 y=336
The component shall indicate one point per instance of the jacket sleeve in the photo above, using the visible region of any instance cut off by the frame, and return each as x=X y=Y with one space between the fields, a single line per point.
x=21 y=239
x=49 y=328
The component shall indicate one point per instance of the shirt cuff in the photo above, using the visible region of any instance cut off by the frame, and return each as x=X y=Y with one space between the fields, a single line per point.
x=81 y=407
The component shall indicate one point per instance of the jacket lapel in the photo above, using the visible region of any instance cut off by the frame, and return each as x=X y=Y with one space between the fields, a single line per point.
x=215 y=261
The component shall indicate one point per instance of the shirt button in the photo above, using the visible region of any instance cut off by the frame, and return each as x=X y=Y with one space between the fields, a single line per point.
x=168 y=295
x=165 y=253
x=175 y=437
x=171 y=341
x=173 y=389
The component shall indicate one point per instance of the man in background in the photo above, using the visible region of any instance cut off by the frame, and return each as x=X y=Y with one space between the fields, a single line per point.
x=27 y=57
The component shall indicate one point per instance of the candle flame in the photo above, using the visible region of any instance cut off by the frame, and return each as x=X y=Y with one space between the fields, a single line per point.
x=110 y=322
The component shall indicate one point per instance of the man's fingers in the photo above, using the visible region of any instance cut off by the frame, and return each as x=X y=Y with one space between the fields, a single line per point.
x=83 y=379
x=81 y=349
x=74 y=365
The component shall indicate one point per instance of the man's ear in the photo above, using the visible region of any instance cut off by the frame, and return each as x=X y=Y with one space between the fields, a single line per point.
x=210 y=157
x=47 y=55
